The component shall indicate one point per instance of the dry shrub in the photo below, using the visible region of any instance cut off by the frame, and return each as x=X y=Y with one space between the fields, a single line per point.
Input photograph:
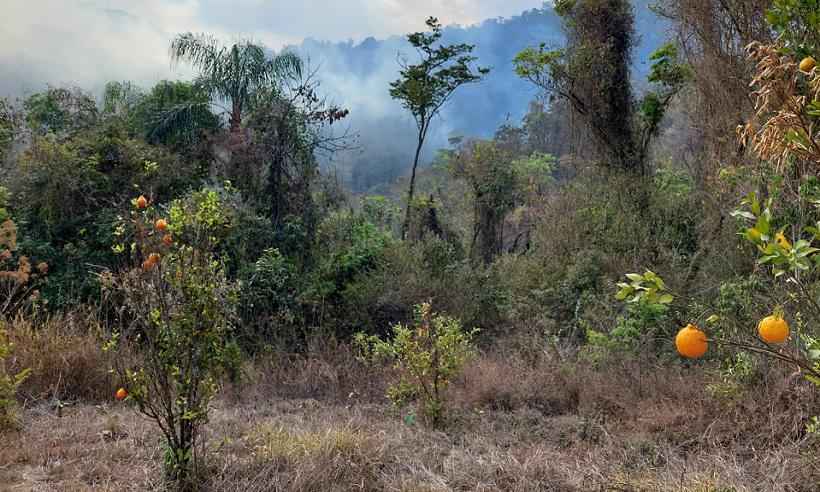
x=508 y=383
x=327 y=369
x=65 y=357
x=712 y=35
x=628 y=396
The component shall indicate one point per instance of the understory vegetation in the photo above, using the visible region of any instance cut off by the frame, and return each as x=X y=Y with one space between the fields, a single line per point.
x=619 y=292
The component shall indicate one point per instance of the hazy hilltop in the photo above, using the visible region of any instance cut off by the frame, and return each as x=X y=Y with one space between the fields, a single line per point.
x=357 y=75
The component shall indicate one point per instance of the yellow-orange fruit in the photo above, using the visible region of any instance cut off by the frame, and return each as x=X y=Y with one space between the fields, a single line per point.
x=121 y=394
x=148 y=265
x=153 y=258
x=167 y=240
x=161 y=224
x=142 y=202
x=808 y=64
x=781 y=241
x=691 y=342
x=773 y=329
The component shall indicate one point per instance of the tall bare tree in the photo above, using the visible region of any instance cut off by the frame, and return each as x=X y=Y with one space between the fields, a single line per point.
x=425 y=87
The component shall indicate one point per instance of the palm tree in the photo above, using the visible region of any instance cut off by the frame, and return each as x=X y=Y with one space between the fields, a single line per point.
x=234 y=73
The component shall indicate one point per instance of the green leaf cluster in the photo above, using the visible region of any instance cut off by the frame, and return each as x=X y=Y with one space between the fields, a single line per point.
x=773 y=246
x=427 y=356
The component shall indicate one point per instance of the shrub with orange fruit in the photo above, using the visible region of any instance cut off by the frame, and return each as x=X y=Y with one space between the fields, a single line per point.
x=784 y=137
x=183 y=314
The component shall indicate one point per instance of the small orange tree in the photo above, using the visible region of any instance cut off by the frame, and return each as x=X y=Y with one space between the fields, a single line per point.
x=179 y=314
x=426 y=356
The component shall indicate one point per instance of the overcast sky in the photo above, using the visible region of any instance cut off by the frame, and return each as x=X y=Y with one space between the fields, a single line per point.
x=88 y=42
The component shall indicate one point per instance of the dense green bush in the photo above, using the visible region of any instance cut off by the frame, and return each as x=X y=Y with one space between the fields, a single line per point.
x=268 y=304
x=69 y=194
x=348 y=247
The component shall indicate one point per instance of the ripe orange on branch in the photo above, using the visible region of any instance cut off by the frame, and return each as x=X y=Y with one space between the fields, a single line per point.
x=121 y=394
x=161 y=225
x=150 y=262
x=691 y=342
x=773 y=329
x=142 y=202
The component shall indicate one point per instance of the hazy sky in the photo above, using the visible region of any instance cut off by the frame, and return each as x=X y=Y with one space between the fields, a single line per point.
x=87 y=42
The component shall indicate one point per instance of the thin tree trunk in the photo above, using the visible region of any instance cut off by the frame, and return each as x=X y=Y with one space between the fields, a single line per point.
x=412 y=189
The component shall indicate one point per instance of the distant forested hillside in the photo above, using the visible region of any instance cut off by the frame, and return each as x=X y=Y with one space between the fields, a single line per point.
x=357 y=75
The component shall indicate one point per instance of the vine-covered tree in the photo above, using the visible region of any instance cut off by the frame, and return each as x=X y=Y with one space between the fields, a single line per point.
x=425 y=87
x=592 y=73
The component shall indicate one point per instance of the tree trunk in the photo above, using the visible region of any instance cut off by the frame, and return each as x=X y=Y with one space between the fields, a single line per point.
x=412 y=188
x=236 y=117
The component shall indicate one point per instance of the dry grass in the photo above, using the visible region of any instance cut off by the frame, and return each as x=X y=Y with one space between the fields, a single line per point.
x=515 y=425
x=65 y=357
x=327 y=370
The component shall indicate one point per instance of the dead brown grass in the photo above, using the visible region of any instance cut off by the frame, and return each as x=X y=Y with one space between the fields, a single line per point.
x=319 y=422
x=327 y=370
x=65 y=357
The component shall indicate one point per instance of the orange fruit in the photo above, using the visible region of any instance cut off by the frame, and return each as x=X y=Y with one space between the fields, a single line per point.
x=808 y=64
x=691 y=342
x=161 y=224
x=167 y=240
x=773 y=329
x=121 y=394
x=150 y=262
x=142 y=202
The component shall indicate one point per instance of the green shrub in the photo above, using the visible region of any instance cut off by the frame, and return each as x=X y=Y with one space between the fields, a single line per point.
x=647 y=307
x=426 y=357
x=8 y=385
x=348 y=248
x=268 y=301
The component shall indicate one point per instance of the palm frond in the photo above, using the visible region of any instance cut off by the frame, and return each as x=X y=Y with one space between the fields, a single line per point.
x=200 y=50
x=179 y=119
x=286 y=65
